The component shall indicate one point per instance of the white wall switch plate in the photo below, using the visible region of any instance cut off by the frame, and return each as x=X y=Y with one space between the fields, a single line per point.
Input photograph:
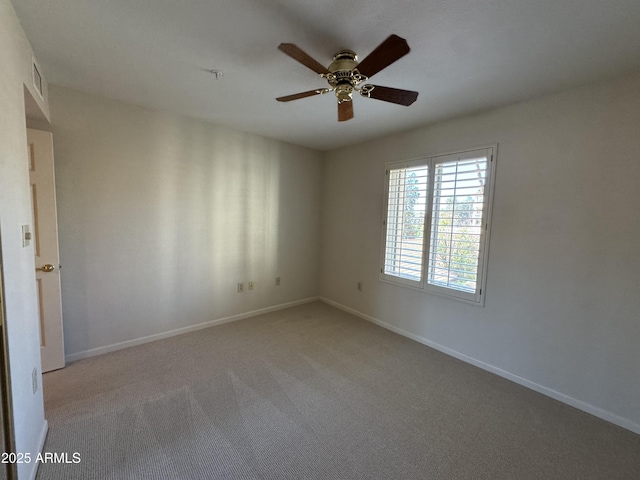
x=26 y=235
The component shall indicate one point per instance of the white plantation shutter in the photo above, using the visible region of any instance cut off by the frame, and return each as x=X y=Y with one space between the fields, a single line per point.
x=436 y=228
x=457 y=221
x=406 y=212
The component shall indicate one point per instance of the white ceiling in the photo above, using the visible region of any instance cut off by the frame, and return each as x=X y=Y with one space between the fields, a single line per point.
x=466 y=56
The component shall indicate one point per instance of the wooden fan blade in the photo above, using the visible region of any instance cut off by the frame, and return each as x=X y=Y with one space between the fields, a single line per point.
x=385 y=54
x=393 y=95
x=297 y=54
x=296 y=96
x=345 y=111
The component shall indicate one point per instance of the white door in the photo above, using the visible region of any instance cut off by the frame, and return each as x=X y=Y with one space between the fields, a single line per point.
x=45 y=246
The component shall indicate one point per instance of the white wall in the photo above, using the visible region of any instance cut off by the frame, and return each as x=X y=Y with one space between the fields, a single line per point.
x=562 y=299
x=15 y=210
x=160 y=216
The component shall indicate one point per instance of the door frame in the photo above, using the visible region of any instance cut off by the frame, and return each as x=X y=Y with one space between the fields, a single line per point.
x=5 y=376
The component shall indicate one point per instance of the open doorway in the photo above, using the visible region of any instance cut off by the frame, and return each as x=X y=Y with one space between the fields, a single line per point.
x=44 y=224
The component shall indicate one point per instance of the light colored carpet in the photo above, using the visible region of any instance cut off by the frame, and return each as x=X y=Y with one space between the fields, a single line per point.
x=312 y=392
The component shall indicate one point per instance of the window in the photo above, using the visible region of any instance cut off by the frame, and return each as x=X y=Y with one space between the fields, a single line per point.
x=436 y=224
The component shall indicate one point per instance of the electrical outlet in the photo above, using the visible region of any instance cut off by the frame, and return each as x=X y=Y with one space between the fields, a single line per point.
x=250 y=286
x=359 y=286
x=277 y=280
x=34 y=380
x=240 y=287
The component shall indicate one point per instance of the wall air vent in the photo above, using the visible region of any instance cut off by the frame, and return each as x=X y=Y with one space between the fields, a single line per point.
x=37 y=79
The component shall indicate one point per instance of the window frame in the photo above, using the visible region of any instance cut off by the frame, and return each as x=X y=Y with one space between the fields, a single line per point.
x=423 y=285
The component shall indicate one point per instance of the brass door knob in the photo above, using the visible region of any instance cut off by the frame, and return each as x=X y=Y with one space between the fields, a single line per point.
x=48 y=268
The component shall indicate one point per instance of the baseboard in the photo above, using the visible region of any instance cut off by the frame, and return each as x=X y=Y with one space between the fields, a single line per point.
x=549 y=392
x=180 y=331
x=31 y=474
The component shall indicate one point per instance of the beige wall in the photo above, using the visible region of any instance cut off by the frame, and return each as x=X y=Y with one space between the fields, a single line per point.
x=160 y=216
x=15 y=210
x=562 y=300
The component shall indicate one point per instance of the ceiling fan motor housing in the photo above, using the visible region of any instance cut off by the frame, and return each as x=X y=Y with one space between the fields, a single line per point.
x=342 y=77
x=344 y=61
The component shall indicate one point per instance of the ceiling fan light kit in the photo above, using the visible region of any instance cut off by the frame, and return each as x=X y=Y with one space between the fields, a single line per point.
x=345 y=75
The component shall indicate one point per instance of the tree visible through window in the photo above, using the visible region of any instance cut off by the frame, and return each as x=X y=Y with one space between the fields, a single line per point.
x=450 y=249
x=405 y=222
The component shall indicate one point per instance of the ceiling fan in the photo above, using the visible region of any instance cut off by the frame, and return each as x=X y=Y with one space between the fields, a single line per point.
x=345 y=75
